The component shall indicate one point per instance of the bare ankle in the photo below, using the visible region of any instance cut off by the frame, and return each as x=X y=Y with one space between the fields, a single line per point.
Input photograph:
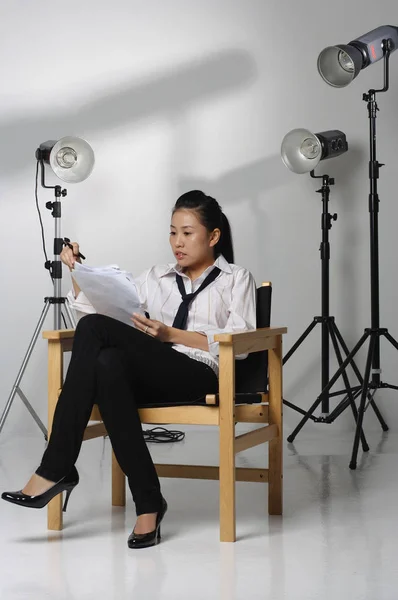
x=145 y=523
x=37 y=485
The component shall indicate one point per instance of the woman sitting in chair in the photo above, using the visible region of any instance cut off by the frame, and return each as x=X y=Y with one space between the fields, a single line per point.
x=169 y=358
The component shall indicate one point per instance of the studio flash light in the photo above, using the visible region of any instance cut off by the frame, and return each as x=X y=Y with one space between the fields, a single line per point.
x=339 y=65
x=301 y=150
x=71 y=158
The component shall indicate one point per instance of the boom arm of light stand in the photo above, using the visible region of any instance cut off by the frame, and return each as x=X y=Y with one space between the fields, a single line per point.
x=301 y=150
x=71 y=158
x=339 y=65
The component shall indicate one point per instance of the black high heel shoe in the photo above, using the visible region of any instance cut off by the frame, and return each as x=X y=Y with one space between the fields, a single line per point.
x=66 y=484
x=145 y=540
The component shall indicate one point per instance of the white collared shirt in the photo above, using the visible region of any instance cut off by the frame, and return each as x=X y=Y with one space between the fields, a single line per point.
x=226 y=305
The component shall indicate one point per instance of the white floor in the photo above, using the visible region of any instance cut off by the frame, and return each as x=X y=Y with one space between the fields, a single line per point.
x=336 y=540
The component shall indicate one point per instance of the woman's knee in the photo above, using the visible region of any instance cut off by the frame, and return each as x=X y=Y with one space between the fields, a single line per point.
x=111 y=368
x=110 y=360
x=88 y=322
x=94 y=325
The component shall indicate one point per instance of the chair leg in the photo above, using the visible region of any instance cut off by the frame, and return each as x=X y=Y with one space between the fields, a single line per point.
x=227 y=445
x=54 y=514
x=275 y=451
x=118 y=484
x=55 y=380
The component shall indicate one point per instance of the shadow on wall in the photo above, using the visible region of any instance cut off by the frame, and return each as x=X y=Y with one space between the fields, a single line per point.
x=247 y=182
x=166 y=94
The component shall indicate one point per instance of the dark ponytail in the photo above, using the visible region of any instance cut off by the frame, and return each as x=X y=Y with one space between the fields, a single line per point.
x=211 y=217
x=225 y=245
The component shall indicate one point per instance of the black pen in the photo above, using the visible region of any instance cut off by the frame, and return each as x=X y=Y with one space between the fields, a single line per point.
x=67 y=243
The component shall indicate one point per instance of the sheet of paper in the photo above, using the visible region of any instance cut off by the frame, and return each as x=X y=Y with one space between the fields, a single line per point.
x=110 y=290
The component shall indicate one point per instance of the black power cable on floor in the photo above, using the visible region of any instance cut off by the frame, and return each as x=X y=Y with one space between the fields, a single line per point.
x=160 y=435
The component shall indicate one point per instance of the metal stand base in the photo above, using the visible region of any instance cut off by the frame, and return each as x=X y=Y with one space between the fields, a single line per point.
x=351 y=392
x=366 y=390
x=15 y=388
x=330 y=332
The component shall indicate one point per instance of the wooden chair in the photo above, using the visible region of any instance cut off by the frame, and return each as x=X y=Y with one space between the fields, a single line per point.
x=242 y=397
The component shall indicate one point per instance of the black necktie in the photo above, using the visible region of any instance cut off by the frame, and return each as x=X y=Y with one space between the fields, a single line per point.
x=181 y=318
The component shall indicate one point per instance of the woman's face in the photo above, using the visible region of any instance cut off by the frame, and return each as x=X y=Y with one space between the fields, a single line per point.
x=190 y=241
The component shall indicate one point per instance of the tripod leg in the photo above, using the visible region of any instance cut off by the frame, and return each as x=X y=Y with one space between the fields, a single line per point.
x=303 y=421
x=331 y=383
x=286 y=358
x=71 y=316
x=299 y=341
x=298 y=409
x=331 y=327
x=392 y=340
x=372 y=346
x=25 y=361
x=340 y=408
x=357 y=372
x=377 y=412
x=32 y=412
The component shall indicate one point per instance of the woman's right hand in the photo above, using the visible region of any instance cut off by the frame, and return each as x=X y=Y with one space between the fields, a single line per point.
x=69 y=256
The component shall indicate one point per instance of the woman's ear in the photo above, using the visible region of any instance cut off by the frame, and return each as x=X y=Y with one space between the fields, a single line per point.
x=215 y=237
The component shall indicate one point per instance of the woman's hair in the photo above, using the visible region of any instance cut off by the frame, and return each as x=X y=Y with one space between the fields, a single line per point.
x=212 y=217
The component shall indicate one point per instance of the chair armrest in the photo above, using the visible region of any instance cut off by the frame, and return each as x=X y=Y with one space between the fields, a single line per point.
x=251 y=341
x=59 y=334
x=243 y=341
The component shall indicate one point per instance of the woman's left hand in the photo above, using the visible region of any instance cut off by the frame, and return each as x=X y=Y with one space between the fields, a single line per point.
x=156 y=329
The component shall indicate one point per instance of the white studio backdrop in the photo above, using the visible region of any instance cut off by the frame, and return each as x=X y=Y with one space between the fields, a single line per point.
x=185 y=94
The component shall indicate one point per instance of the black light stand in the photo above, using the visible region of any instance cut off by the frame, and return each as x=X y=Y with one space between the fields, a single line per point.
x=57 y=301
x=330 y=331
x=372 y=377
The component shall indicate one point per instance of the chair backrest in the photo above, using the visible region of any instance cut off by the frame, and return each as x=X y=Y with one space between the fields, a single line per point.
x=251 y=374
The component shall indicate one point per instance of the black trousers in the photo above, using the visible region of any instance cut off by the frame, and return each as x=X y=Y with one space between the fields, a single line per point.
x=120 y=368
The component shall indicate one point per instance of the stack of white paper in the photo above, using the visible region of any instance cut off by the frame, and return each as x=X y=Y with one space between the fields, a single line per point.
x=111 y=291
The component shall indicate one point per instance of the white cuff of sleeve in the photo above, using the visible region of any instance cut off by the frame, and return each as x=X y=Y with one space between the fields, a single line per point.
x=214 y=347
